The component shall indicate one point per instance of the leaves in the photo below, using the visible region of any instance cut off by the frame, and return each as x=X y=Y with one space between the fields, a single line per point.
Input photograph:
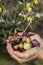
x=15 y=14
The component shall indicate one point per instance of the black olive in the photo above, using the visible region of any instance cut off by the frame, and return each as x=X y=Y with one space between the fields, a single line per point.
x=15 y=42
x=20 y=39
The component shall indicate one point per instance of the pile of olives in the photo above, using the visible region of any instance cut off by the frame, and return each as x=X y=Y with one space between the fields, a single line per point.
x=24 y=43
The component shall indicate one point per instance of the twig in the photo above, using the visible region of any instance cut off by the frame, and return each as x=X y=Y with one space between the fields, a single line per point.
x=27 y=27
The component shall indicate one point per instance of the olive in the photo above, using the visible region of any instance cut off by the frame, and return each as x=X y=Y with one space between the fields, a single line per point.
x=35 y=43
x=20 y=39
x=15 y=42
x=28 y=40
x=27 y=46
x=24 y=38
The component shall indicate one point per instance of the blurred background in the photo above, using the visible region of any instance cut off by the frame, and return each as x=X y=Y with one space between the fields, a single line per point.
x=11 y=23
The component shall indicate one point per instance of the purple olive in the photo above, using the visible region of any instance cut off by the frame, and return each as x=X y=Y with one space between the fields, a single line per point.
x=35 y=43
x=24 y=38
x=25 y=34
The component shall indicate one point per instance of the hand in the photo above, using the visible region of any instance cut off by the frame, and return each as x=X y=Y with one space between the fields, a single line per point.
x=33 y=53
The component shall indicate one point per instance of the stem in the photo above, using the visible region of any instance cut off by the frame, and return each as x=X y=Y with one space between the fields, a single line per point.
x=27 y=27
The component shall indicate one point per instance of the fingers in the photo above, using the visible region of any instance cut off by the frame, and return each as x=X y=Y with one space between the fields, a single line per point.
x=31 y=33
x=32 y=57
x=21 y=55
x=10 y=38
x=23 y=60
x=32 y=51
x=10 y=51
x=19 y=59
x=20 y=33
x=9 y=47
x=37 y=37
x=26 y=54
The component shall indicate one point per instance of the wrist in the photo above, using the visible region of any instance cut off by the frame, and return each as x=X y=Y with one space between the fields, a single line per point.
x=42 y=40
x=40 y=53
x=41 y=43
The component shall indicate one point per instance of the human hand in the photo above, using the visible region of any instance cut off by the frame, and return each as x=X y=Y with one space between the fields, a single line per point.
x=31 y=54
